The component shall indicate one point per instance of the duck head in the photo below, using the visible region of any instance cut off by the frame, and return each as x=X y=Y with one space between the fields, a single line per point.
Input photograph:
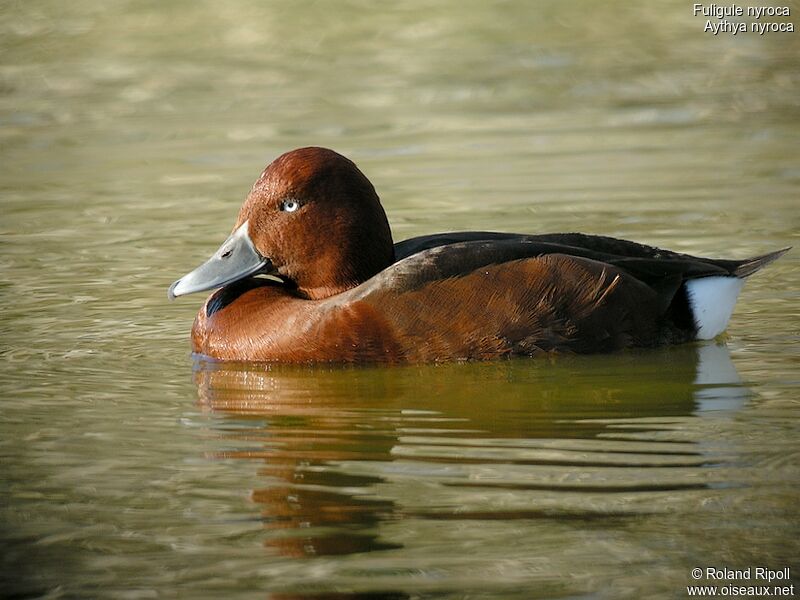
x=313 y=219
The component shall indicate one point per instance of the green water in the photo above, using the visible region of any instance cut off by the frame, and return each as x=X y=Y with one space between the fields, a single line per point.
x=130 y=133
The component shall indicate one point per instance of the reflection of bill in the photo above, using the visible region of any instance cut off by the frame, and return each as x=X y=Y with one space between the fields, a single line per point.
x=347 y=452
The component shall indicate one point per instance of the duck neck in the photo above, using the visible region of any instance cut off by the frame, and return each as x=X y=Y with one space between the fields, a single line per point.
x=360 y=251
x=344 y=267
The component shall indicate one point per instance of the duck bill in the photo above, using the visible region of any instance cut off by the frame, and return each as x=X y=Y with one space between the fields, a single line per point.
x=236 y=259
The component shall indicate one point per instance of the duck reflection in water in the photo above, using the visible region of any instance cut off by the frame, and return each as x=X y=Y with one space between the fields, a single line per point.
x=335 y=442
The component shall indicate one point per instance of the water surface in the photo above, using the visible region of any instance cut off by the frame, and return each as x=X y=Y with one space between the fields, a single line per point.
x=130 y=133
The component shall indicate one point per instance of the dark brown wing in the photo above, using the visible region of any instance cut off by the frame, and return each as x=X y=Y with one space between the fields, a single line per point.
x=486 y=299
x=593 y=243
x=662 y=270
x=647 y=263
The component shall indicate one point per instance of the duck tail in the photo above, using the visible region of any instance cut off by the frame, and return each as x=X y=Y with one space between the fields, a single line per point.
x=751 y=265
x=712 y=299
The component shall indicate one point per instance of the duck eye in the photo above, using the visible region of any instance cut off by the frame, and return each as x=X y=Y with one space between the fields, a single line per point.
x=290 y=205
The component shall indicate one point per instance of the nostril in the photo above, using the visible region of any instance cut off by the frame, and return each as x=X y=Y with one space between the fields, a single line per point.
x=226 y=254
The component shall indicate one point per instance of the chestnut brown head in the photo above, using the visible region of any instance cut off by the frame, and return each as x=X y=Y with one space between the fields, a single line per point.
x=313 y=219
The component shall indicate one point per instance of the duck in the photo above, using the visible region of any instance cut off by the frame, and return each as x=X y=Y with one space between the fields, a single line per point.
x=310 y=274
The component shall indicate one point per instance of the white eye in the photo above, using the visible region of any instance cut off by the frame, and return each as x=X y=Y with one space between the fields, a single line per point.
x=290 y=205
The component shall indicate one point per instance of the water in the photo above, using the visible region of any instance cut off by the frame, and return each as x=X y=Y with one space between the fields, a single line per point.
x=129 y=134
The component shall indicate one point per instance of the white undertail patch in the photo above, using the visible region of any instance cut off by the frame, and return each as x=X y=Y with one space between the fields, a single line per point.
x=712 y=300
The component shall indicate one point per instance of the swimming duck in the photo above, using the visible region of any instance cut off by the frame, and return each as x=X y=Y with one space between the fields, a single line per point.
x=339 y=290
